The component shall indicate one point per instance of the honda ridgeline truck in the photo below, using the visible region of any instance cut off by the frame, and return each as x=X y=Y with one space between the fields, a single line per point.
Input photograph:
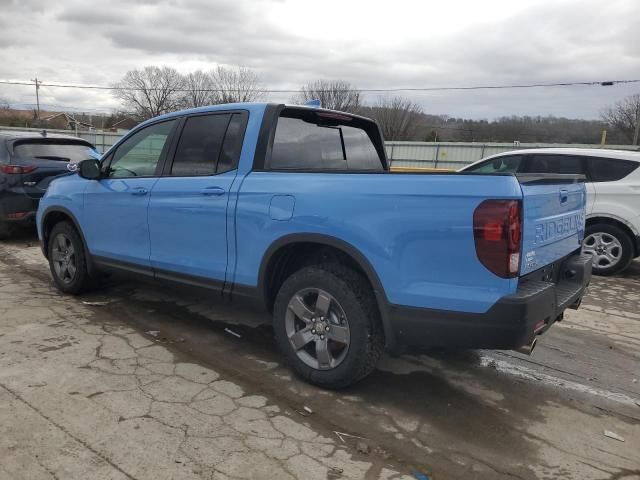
x=295 y=209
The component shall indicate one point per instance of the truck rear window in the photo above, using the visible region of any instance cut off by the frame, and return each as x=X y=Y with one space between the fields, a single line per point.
x=310 y=140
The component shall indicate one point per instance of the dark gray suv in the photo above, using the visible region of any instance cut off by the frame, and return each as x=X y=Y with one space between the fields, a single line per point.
x=28 y=162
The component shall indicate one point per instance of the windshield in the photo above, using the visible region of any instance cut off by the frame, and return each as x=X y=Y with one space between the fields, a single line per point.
x=62 y=151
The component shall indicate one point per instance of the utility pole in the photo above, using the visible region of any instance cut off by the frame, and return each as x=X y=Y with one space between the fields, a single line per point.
x=35 y=80
x=637 y=130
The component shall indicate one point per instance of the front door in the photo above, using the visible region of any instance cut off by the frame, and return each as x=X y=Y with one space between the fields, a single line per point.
x=188 y=205
x=116 y=206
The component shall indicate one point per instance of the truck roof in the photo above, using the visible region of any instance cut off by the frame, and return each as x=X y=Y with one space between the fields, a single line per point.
x=245 y=106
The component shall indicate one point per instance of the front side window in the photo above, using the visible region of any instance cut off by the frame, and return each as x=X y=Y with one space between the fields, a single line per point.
x=311 y=141
x=609 y=169
x=506 y=164
x=563 y=164
x=200 y=145
x=139 y=155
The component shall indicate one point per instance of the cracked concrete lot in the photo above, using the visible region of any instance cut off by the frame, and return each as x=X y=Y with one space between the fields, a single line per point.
x=134 y=381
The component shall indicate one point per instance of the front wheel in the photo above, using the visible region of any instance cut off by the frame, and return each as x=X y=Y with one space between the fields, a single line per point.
x=67 y=260
x=327 y=325
x=610 y=246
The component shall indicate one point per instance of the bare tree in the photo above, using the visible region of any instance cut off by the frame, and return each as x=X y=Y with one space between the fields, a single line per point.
x=625 y=117
x=199 y=88
x=234 y=85
x=333 y=94
x=151 y=91
x=397 y=116
x=4 y=104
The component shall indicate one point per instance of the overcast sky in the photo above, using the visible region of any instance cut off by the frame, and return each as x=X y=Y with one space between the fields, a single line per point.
x=372 y=44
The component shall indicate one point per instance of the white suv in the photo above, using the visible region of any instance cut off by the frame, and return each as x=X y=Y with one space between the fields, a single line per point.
x=613 y=195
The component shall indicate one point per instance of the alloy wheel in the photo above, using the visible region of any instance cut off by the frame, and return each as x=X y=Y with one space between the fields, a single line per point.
x=63 y=256
x=605 y=248
x=317 y=328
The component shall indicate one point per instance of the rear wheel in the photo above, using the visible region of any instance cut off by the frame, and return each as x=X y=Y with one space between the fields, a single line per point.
x=67 y=260
x=327 y=325
x=611 y=247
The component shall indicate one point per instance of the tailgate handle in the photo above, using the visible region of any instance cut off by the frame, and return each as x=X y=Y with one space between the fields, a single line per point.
x=564 y=195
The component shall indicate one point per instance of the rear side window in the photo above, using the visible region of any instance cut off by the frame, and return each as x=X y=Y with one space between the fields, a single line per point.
x=506 y=164
x=232 y=145
x=311 y=141
x=563 y=164
x=62 y=151
x=200 y=145
x=609 y=169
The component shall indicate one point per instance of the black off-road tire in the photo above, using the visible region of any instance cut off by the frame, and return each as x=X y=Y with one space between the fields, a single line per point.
x=81 y=281
x=356 y=298
x=625 y=242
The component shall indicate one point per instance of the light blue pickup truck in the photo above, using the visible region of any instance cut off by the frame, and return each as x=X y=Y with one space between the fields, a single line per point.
x=294 y=209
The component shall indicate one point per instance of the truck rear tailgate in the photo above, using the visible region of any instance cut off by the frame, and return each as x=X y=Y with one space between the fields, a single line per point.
x=553 y=218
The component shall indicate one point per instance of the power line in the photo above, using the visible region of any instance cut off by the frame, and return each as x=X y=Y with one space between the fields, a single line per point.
x=606 y=83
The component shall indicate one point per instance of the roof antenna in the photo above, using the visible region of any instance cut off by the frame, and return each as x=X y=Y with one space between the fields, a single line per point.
x=315 y=103
x=43 y=133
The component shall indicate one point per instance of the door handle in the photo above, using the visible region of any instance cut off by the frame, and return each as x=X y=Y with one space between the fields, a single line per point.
x=139 y=191
x=211 y=191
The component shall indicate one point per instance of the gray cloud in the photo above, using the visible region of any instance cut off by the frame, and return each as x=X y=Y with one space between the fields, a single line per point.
x=549 y=41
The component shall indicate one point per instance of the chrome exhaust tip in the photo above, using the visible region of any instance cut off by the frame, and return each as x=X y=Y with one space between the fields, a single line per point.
x=527 y=349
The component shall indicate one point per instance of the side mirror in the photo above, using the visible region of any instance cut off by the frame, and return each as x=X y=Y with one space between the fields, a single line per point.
x=89 y=169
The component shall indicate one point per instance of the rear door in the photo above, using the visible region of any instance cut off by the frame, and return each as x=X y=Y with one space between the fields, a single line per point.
x=617 y=184
x=188 y=206
x=115 y=220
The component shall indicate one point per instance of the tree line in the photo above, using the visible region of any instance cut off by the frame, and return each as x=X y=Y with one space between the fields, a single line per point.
x=150 y=91
x=156 y=90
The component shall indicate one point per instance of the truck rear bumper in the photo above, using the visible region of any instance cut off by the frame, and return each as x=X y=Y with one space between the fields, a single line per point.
x=512 y=322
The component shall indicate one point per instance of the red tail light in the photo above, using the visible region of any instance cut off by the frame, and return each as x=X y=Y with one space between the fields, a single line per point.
x=497 y=229
x=16 y=169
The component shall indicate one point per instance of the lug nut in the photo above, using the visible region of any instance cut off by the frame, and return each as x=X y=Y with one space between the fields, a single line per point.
x=326 y=328
x=321 y=337
x=313 y=331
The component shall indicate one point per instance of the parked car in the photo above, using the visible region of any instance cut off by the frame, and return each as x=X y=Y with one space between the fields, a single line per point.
x=613 y=195
x=294 y=209
x=28 y=162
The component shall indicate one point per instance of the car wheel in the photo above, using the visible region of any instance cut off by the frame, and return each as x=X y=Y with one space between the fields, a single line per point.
x=4 y=230
x=611 y=247
x=67 y=260
x=328 y=326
